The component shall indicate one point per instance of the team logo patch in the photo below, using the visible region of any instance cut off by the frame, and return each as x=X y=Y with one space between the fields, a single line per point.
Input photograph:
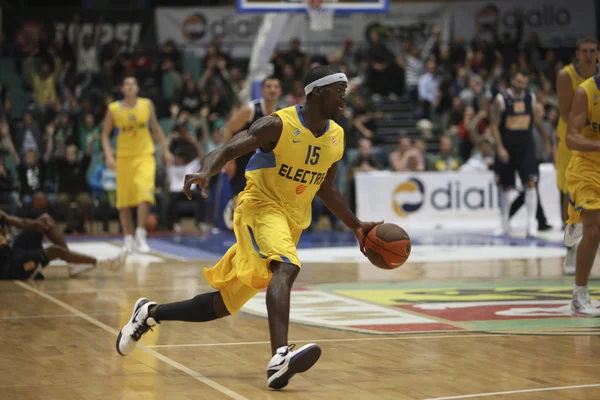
x=132 y=118
x=296 y=132
x=29 y=266
x=300 y=189
x=334 y=141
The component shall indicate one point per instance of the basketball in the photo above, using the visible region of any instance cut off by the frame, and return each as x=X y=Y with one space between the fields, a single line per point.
x=39 y=202
x=387 y=246
x=151 y=222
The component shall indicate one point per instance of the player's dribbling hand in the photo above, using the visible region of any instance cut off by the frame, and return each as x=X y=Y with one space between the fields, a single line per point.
x=361 y=233
x=201 y=179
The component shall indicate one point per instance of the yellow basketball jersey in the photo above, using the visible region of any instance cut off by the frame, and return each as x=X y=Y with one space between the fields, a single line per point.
x=576 y=80
x=290 y=176
x=592 y=126
x=134 y=138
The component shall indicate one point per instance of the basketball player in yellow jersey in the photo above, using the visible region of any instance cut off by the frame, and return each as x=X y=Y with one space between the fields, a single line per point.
x=297 y=151
x=567 y=82
x=583 y=180
x=135 y=164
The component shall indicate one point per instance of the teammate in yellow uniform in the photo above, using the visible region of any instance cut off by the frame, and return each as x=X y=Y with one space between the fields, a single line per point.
x=297 y=151
x=567 y=82
x=135 y=164
x=583 y=138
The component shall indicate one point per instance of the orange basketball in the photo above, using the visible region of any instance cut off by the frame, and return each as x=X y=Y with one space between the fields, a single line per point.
x=151 y=222
x=39 y=201
x=387 y=246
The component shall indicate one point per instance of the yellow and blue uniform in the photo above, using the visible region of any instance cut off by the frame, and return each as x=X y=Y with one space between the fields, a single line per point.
x=275 y=206
x=563 y=154
x=583 y=180
x=135 y=164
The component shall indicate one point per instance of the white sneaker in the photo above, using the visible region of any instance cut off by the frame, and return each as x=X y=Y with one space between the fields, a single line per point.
x=141 y=245
x=129 y=244
x=532 y=229
x=505 y=226
x=137 y=326
x=581 y=304
x=570 y=261
x=573 y=234
x=286 y=363
x=113 y=264
x=78 y=269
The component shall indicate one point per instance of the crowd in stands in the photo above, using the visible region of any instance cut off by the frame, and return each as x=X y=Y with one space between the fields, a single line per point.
x=412 y=106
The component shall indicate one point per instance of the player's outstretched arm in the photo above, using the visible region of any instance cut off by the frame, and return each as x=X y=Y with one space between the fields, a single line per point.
x=264 y=133
x=577 y=120
x=332 y=198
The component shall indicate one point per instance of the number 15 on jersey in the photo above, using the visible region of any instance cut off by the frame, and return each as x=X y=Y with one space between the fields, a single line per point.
x=312 y=155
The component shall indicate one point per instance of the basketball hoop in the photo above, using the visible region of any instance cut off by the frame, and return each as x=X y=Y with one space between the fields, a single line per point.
x=320 y=18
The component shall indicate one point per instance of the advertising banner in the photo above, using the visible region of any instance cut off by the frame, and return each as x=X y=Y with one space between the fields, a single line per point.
x=557 y=23
x=41 y=25
x=197 y=26
x=453 y=200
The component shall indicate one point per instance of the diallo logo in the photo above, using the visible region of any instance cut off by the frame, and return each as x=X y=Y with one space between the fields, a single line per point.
x=408 y=197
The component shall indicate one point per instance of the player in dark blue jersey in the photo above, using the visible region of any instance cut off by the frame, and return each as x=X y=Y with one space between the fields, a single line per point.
x=26 y=256
x=512 y=118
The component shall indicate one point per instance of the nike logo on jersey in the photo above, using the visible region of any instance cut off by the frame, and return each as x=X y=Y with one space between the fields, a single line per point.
x=296 y=141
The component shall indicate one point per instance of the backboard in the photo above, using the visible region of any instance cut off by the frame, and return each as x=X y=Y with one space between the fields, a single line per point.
x=294 y=6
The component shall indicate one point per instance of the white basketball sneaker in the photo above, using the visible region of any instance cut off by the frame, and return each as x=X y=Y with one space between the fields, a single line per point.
x=286 y=363
x=573 y=234
x=581 y=304
x=141 y=245
x=137 y=326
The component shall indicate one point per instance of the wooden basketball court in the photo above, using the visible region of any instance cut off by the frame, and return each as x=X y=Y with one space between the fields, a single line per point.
x=58 y=336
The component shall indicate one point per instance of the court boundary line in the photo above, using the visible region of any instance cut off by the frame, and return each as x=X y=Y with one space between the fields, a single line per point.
x=489 y=394
x=194 y=374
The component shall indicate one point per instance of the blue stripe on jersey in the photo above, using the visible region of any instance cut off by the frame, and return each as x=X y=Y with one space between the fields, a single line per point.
x=261 y=160
x=301 y=118
x=285 y=259
x=597 y=82
x=255 y=244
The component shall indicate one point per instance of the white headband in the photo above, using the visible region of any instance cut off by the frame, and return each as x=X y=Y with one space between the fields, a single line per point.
x=324 y=81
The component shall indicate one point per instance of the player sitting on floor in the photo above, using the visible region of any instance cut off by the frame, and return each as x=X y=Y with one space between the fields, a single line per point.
x=26 y=257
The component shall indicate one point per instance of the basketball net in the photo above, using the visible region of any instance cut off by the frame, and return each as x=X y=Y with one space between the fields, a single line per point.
x=320 y=18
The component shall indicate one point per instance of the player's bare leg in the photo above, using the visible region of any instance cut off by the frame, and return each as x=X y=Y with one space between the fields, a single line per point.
x=586 y=255
x=82 y=262
x=505 y=211
x=285 y=362
x=141 y=244
x=127 y=225
x=531 y=208
x=146 y=314
x=572 y=237
x=53 y=233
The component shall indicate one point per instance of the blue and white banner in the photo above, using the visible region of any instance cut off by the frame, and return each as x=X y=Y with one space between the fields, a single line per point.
x=195 y=27
x=444 y=200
